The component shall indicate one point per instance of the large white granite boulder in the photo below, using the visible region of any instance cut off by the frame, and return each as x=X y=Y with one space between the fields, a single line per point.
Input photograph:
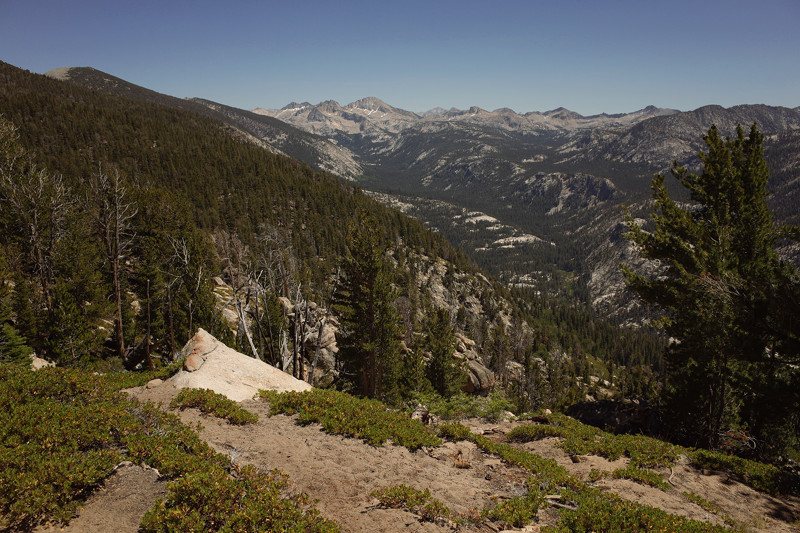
x=209 y=364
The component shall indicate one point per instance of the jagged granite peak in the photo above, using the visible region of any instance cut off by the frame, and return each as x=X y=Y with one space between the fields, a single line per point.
x=329 y=106
x=294 y=106
x=563 y=113
x=372 y=104
x=373 y=116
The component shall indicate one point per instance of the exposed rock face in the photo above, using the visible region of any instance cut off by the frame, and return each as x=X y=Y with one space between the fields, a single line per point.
x=209 y=364
x=481 y=379
x=39 y=363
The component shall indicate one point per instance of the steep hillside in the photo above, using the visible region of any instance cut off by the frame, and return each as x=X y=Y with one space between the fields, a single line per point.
x=275 y=135
x=209 y=204
x=211 y=472
x=553 y=175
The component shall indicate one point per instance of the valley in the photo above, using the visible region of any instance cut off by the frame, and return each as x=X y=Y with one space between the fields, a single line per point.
x=432 y=260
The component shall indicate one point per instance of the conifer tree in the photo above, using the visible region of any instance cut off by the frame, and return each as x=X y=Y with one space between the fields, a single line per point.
x=370 y=349
x=716 y=284
x=106 y=199
x=446 y=374
x=13 y=347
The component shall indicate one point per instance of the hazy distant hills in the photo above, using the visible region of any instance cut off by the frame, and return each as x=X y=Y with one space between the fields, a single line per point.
x=533 y=197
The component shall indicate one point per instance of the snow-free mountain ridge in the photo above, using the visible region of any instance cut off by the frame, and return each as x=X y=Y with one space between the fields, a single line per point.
x=556 y=175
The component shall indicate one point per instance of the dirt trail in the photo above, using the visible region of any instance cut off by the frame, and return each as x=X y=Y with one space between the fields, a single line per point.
x=118 y=505
x=341 y=473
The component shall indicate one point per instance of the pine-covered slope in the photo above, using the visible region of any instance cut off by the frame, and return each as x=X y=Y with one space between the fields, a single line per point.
x=200 y=167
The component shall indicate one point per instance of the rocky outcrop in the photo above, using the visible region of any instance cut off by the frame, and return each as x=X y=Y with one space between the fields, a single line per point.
x=38 y=363
x=209 y=364
x=480 y=379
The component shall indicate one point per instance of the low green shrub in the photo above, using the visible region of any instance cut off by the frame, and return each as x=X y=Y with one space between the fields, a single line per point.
x=454 y=431
x=343 y=414
x=760 y=476
x=594 y=510
x=213 y=403
x=213 y=501
x=641 y=475
x=62 y=432
x=531 y=432
x=588 y=509
x=401 y=496
x=518 y=511
x=580 y=439
x=463 y=405
x=596 y=475
x=417 y=501
x=702 y=502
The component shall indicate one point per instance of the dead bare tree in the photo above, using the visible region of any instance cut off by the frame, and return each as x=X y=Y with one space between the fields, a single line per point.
x=40 y=201
x=277 y=271
x=277 y=261
x=328 y=304
x=240 y=277
x=112 y=215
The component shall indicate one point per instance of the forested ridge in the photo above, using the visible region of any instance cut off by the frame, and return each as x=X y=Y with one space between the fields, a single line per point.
x=231 y=185
x=194 y=189
x=125 y=225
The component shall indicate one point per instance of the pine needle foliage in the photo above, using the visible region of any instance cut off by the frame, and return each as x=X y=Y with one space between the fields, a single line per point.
x=728 y=300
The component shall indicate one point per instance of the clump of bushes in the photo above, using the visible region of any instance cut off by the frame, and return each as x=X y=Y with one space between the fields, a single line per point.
x=760 y=476
x=593 y=510
x=343 y=414
x=641 y=475
x=519 y=511
x=62 y=432
x=210 y=402
x=417 y=501
x=463 y=405
x=582 y=508
x=211 y=500
x=580 y=439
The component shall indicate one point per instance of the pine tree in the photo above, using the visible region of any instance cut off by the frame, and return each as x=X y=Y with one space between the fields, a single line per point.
x=13 y=347
x=446 y=373
x=716 y=286
x=370 y=350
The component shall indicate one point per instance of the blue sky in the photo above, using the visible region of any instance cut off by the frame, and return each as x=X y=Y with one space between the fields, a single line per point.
x=588 y=56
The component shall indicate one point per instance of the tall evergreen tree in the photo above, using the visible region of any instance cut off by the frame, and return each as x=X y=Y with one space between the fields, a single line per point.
x=107 y=200
x=446 y=374
x=717 y=282
x=371 y=347
x=13 y=347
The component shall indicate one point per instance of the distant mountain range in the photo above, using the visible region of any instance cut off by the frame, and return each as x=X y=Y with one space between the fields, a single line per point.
x=370 y=113
x=535 y=198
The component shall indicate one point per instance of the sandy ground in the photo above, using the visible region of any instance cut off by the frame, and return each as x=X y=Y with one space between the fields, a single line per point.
x=118 y=505
x=340 y=473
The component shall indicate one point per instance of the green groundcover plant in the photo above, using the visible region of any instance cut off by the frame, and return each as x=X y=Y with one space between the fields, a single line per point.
x=581 y=507
x=343 y=414
x=213 y=403
x=647 y=452
x=63 y=432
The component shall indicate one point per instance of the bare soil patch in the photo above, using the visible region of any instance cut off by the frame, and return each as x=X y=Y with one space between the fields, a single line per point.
x=340 y=473
x=118 y=505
